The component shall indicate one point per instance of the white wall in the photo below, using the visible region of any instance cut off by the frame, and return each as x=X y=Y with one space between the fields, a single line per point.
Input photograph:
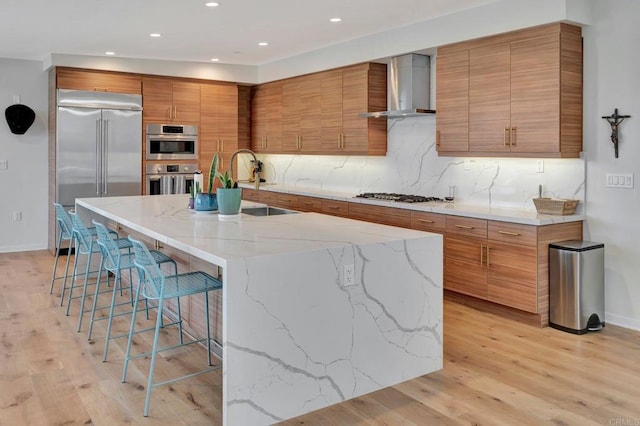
x=612 y=80
x=23 y=186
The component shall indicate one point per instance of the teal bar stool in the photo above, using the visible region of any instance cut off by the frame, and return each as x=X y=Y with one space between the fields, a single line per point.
x=85 y=244
x=154 y=285
x=65 y=233
x=114 y=260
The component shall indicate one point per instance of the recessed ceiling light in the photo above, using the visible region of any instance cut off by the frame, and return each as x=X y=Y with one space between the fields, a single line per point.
x=335 y=19
x=263 y=43
x=215 y=59
x=109 y=53
x=212 y=4
x=154 y=35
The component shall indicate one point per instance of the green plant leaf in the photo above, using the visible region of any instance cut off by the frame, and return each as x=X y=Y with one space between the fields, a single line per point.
x=213 y=170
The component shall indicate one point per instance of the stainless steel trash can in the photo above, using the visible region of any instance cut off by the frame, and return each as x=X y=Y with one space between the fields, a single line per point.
x=576 y=286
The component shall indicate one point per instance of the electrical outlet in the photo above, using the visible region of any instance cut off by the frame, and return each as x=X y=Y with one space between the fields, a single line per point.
x=349 y=275
x=540 y=166
x=4 y=164
x=616 y=180
x=17 y=216
x=467 y=164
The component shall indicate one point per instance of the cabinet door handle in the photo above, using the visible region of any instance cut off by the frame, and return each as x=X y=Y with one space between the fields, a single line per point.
x=221 y=145
x=265 y=142
x=438 y=138
x=171 y=113
x=175 y=111
x=339 y=142
x=342 y=140
x=507 y=136
x=425 y=221
x=488 y=251
x=464 y=226
x=515 y=234
x=333 y=207
x=512 y=137
x=481 y=253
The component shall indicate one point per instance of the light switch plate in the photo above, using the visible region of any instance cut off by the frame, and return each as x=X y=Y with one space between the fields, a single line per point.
x=619 y=180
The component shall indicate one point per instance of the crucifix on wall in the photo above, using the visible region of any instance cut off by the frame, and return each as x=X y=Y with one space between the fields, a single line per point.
x=614 y=121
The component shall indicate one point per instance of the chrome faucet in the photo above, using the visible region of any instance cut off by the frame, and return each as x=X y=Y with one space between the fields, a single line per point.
x=255 y=172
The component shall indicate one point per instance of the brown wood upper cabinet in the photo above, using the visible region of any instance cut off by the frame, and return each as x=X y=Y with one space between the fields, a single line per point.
x=170 y=100
x=266 y=118
x=318 y=113
x=218 y=123
x=100 y=81
x=517 y=94
x=301 y=114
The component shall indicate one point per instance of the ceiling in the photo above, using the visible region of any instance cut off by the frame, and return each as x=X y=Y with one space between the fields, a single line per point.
x=191 y=31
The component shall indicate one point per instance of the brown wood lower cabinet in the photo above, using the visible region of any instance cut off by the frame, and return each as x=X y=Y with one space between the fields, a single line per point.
x=509 y=266
x=335 y=208
x=464 y=268
x=251 y=195
x=309 y=204
x=380 y=214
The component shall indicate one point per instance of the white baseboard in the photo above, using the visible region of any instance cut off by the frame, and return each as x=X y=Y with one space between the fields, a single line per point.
x=27 y=247
x=620 y=321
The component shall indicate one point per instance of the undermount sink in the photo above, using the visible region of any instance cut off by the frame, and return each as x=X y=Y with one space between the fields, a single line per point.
x=266 y=211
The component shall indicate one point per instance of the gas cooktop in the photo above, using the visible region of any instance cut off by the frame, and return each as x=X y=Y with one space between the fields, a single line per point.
x=401 y=198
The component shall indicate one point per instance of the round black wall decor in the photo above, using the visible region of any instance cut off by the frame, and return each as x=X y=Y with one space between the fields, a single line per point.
x=19 y=118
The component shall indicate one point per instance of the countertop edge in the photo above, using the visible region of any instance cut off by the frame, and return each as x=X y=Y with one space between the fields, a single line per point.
x=502 y=214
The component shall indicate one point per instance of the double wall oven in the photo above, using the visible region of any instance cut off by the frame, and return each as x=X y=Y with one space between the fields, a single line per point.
x=171 y=158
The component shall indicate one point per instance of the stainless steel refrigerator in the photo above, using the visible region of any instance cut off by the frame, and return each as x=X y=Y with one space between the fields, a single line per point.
x=98 y=145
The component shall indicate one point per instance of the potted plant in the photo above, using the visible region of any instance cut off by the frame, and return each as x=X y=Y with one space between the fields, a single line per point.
x=229 y=195
x=207 y=201
x=195 y=190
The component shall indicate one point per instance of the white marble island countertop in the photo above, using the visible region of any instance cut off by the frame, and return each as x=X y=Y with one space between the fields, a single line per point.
x=214 y=239
x=316 y=309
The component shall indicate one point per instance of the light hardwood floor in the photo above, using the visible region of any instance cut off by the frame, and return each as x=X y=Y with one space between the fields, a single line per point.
x=496 y=372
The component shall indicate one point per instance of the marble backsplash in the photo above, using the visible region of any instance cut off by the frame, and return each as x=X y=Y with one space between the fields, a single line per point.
x=412 y=166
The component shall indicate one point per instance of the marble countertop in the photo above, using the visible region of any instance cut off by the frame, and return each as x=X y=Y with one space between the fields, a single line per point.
x=216 y=239
x=504 y=214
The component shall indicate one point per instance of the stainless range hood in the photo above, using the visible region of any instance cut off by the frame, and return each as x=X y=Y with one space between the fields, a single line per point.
x=408 y=78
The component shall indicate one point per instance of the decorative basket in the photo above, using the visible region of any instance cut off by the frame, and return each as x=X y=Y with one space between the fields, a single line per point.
x=556 y=206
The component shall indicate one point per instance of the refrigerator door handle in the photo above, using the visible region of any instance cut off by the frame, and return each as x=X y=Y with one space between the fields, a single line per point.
x=105 y=156
x=98 y=157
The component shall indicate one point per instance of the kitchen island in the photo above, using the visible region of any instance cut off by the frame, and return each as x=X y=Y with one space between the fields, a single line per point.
x=315 y=309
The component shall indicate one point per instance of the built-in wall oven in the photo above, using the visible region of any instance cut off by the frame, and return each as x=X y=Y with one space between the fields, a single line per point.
x=171 y=142
x=164 y=178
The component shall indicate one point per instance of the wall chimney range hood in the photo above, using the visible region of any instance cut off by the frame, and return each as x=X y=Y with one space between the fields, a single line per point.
x=408 y=78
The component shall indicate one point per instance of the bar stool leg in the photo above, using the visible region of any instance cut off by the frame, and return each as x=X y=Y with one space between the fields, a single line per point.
x=95 y=297
x=117 y=279
x=86 y=277
x=153 y=356
x=73 y=279
x=206 y=307
x=131 y=330
x=55 y=262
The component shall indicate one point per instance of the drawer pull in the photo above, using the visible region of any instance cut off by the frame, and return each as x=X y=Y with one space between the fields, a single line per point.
x=464 y=226
x=481 y=253
x=515 y=234
x=425 y=221
x=334 y=207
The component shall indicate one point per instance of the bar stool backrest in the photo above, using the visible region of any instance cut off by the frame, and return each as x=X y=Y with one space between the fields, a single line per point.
x=82 y=233
x=148 y=270
x=64 y=221
x=108 y=247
